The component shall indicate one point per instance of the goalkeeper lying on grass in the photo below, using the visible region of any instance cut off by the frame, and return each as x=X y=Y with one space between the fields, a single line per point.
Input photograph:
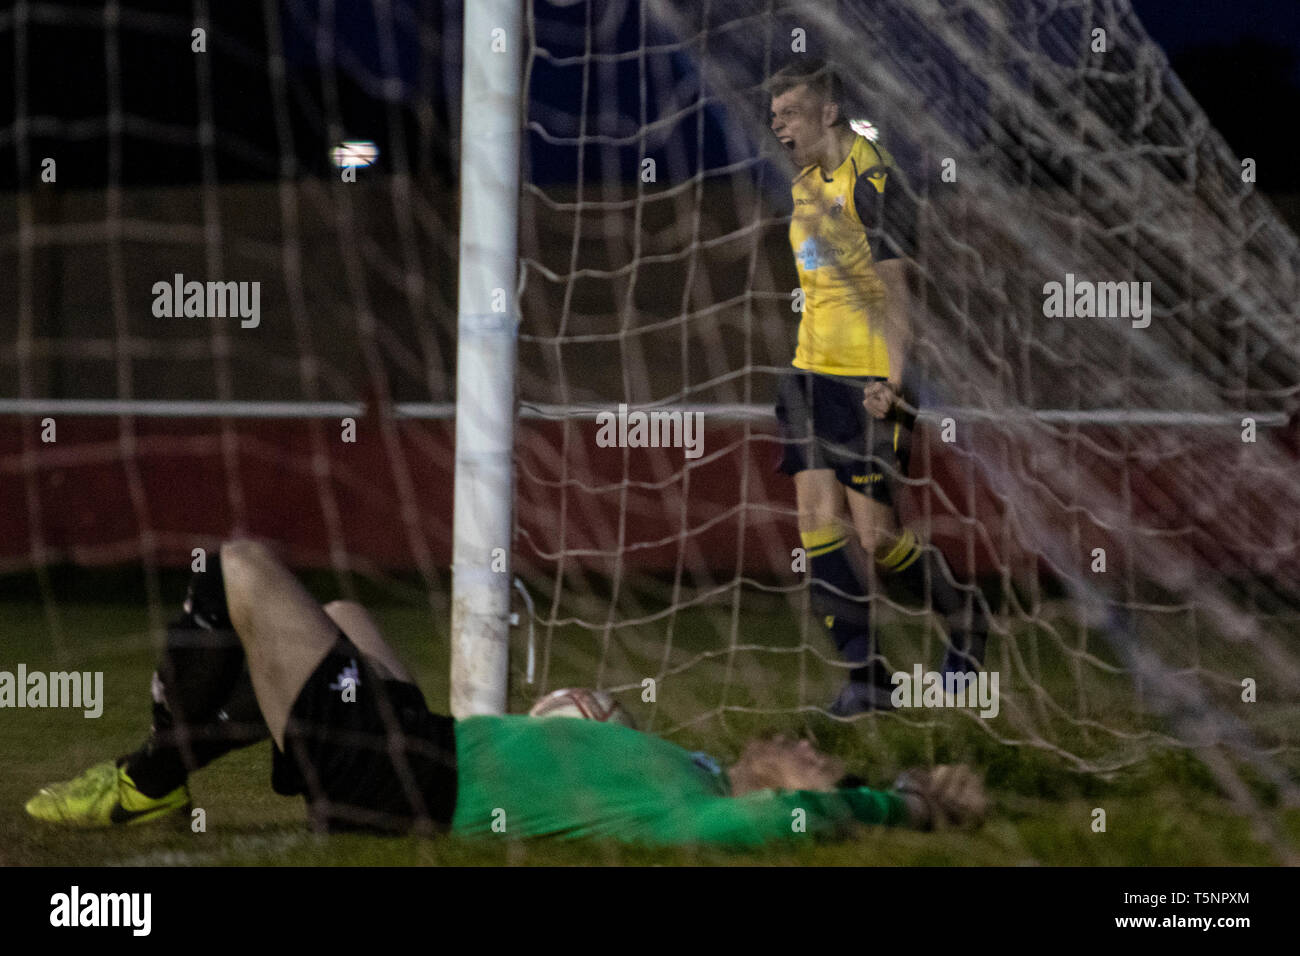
x=254 y=655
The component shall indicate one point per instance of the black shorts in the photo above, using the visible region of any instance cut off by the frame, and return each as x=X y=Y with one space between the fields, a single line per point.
x=370 y=758
x=824 y=425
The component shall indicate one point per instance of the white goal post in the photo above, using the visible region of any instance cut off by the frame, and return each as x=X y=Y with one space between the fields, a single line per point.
x=1116 y=477
x=485 y=356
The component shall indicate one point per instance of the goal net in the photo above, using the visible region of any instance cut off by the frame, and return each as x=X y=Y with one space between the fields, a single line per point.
x=1121 y=485
x=1122 y=490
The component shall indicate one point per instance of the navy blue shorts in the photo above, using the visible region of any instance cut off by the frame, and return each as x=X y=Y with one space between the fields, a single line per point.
x=824 y=425
x=370 y=758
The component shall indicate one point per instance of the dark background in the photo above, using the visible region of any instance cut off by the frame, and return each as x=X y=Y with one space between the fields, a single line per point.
x=397 y=82
x=222 y=160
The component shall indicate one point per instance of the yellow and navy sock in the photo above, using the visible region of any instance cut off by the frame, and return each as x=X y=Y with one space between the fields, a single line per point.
x=909 y=562
x=840 y=601
x=904 y=553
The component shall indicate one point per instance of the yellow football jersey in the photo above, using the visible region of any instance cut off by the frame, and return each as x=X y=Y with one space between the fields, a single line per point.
x=842 y=293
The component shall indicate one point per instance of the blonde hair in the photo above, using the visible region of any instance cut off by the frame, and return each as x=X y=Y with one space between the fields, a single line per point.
x=818 y=76
x=782 y=763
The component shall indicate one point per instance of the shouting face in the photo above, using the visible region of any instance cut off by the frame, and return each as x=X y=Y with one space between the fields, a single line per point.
x=801 y=121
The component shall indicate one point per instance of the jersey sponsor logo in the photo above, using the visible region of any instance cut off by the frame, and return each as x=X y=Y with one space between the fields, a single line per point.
x=816 y=252
x=866 y=479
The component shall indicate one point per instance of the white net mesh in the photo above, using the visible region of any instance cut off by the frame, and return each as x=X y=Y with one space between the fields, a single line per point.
x=149 y=144
x=658 y=275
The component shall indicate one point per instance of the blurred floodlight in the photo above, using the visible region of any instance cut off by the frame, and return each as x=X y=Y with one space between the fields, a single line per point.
x=864 y=128
x=355 y=152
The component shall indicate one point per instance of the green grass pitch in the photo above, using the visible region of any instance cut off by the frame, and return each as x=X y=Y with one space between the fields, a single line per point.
x=1161 y=809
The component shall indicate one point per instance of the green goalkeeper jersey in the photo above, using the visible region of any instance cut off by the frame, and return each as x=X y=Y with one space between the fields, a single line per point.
x=562 y=777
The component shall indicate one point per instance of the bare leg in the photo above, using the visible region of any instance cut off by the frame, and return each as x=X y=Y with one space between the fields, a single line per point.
x=875 y=523
x=820 y=499
x=285 y=633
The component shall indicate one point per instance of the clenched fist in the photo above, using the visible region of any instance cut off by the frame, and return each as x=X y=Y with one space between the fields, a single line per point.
x=879 y=398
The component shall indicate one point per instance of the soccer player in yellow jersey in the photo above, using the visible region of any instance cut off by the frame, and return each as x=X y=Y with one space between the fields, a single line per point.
x=843 y=423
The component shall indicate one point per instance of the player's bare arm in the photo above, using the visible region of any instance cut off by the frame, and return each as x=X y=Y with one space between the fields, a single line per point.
x=895 y=328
